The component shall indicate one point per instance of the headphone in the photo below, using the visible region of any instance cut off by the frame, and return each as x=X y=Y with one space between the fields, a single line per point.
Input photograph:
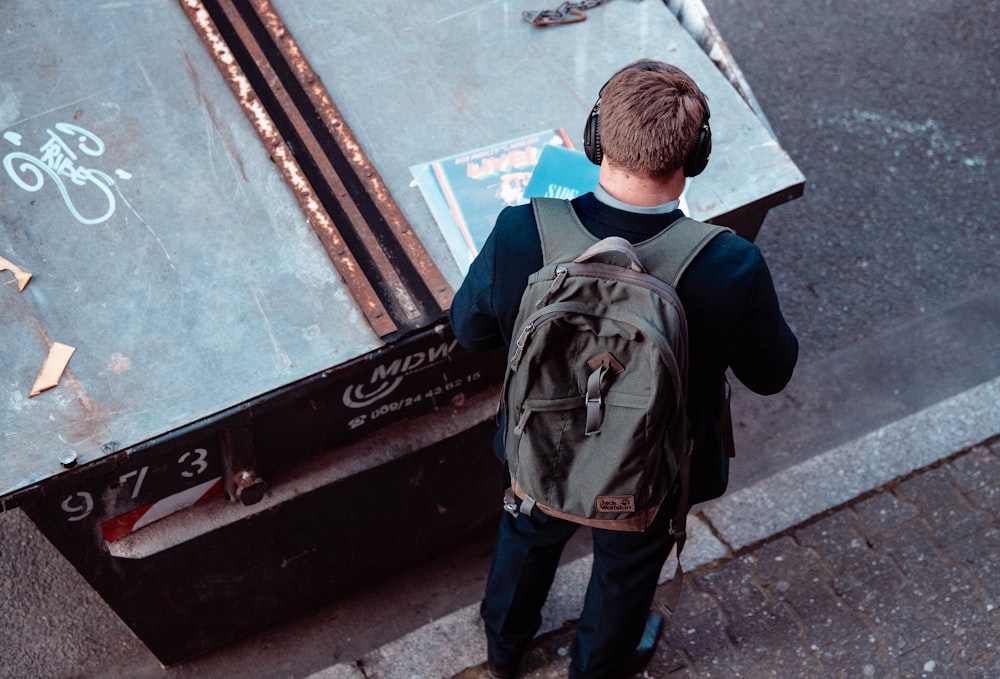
x=696 y=160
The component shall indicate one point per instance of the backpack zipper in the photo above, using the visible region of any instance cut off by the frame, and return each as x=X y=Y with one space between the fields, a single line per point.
x=617 y=273
x=557 y=280
x=607 y=272
x=522 y=338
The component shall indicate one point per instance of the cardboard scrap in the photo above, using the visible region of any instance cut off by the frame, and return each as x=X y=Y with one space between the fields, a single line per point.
x=20 y=274
x=53 y=367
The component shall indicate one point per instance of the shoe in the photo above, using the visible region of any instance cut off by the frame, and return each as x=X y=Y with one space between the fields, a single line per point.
x=497 y=670
x=643 y=653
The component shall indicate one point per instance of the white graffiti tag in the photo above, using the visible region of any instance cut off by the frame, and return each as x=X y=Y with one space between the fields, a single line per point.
x=59 y=158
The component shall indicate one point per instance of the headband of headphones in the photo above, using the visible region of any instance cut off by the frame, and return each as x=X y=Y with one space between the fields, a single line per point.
x=696 y=160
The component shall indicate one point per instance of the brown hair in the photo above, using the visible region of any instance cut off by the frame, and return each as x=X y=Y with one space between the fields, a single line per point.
x=651 y=113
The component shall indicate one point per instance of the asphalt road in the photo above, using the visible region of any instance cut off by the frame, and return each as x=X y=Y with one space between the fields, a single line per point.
x=887 y=269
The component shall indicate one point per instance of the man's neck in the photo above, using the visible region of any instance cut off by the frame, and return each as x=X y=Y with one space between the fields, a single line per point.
x=638 y=190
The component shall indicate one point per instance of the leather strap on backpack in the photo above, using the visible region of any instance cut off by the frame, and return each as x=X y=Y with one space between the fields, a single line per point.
x=678 y=528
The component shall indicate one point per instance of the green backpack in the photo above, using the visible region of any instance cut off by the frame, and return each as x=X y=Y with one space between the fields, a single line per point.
x=595 y=389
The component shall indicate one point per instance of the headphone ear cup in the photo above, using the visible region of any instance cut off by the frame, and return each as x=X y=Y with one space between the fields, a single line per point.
x=697 y=159
x=592 y=135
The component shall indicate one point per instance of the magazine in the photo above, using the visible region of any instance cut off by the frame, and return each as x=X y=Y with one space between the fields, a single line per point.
x=467 y=191
x=562 y=173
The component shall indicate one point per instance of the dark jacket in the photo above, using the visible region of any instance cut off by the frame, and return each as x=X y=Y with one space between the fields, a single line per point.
x=734 y=320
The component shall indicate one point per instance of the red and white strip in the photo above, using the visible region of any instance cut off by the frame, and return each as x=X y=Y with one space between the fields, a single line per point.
x=126 y=524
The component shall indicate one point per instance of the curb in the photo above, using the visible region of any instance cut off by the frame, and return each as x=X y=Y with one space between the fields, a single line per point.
x=734 y=522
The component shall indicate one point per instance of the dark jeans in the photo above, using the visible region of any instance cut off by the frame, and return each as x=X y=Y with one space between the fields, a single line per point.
x=622 y=584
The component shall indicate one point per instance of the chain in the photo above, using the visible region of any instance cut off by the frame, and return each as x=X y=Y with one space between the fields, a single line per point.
x=566 y=13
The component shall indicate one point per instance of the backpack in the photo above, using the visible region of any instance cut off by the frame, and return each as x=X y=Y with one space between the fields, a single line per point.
x=596 y=382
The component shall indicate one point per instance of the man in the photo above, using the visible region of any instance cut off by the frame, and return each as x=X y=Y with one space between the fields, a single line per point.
x=653 y=122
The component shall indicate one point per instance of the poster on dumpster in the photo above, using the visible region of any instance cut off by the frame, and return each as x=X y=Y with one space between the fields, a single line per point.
x=467 y=191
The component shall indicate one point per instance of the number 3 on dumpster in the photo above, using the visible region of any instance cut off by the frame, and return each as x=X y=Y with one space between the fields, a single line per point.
x=194 y=459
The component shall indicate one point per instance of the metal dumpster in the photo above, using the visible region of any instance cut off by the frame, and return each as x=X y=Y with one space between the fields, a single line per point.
x=263 y=405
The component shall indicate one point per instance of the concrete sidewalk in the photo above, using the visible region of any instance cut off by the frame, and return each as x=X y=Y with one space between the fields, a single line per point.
x=880 y=558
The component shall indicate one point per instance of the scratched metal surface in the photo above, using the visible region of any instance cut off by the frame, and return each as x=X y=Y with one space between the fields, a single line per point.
x=177 y=262
x=448 y=76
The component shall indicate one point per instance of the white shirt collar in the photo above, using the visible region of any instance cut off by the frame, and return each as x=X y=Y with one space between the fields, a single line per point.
x=611 y=201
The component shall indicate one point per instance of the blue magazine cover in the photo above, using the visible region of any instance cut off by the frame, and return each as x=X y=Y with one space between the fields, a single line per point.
x=467 y=191
x=562 y=173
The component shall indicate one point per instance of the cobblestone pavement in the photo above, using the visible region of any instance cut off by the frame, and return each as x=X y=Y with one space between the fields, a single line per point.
x=901 y=582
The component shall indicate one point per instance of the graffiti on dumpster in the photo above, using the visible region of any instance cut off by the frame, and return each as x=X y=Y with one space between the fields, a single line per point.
x=63 y=157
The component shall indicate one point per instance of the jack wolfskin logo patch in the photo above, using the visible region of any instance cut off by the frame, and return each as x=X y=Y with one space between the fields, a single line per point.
x=610 y=503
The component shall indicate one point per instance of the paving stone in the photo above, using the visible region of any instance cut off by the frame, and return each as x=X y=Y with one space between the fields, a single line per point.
x=776 y=663
x=783 y=559
x=980 y=555
x=865 y=599
x=939 y=577
x=901 y=626
x=732 y=579
x=963 y=614
x=859 y=565
x=883 y=512
x=826 y=617
x=934 y=659
x=909 y=546
x=765 y=624
x=668 y=660
x=981 y=549
x=949 y=598
x=856 y=657
x=828 y=535
x=704 y=640
x=978 y=469
x=693 y=603
x=952 y=517
x=988 y=668
x=986 y=498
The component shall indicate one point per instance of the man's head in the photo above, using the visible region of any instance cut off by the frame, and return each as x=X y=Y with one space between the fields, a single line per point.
x=650 y=119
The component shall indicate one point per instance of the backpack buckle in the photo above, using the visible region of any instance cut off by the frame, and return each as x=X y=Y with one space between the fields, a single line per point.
x=510 y=502
x=601 y=366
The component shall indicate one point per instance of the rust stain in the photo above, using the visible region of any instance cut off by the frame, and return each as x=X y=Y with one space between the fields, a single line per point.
x=88 y=405
x=94 y=423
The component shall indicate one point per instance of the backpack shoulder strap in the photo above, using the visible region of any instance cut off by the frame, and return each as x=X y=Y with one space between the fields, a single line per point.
x=562 y=234
x=668 y=253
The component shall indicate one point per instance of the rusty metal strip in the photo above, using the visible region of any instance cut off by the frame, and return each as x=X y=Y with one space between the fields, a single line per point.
x=360 y=221
x=316 y=153
x=320 y=97
x=343 y=260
